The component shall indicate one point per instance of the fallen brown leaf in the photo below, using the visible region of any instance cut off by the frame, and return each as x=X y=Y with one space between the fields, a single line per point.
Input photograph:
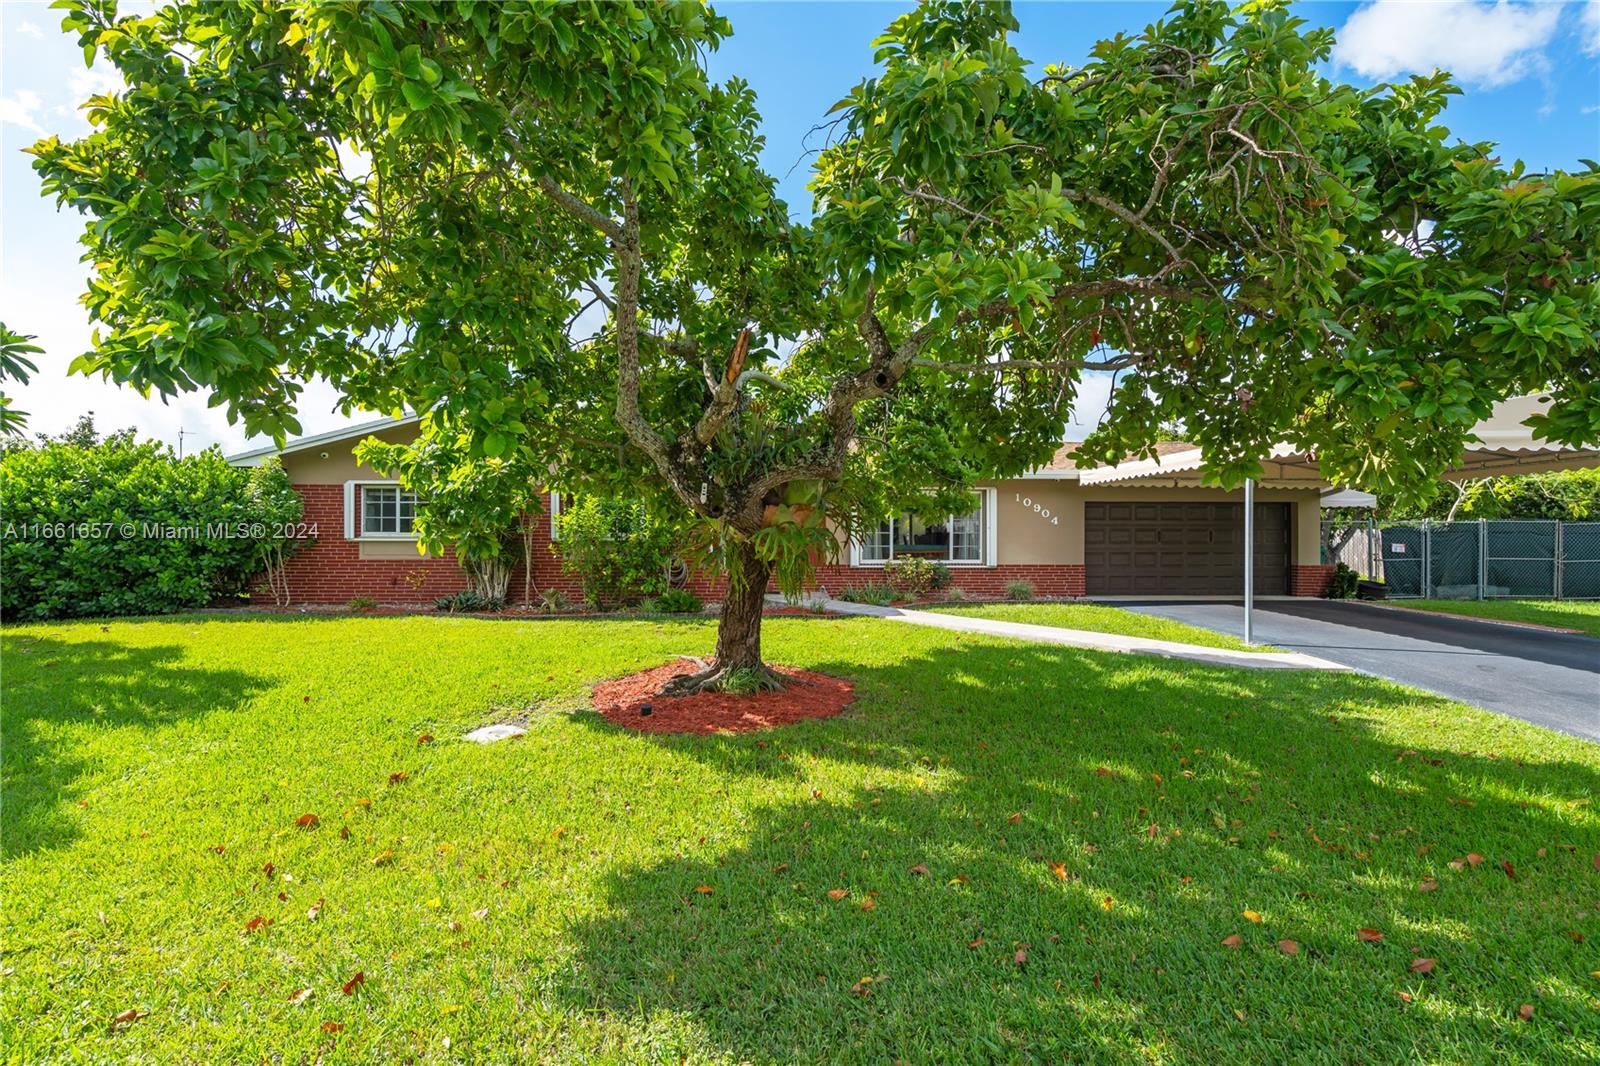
x=778 y=869
x=333 y=1027
x=1014 y=819
x=704 y=890
x=256 y=923
x=1059 y=869
x=920 y=869
x=1474 y=859
x=1511 y=872
x=316 y=909
x=838 y=893
x=1252 y=916
x=300 y=997
x=973 y=945
x=1525 y=1012
x=398 y=776
x=1421 y=965
x=1288 y=947
x=1369 y=936
x=481 y=913
x=355 y=982
x=127 y=1018
x=1235 y=941
x=1021 y=956
x=383 y=859
x=426 y=738
x=1405 y=997
x=1428 y=886
x=869 y=904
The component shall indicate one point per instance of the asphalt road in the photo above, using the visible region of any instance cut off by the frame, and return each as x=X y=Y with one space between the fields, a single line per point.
x=1549 y=679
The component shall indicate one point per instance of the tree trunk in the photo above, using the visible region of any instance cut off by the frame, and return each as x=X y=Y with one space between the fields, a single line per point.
x=738 y=632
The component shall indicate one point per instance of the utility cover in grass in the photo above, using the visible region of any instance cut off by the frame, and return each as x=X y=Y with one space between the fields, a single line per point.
x=805 y=694
x=491 y=733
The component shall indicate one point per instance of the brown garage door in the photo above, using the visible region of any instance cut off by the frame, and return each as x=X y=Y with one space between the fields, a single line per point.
x=1182 y=549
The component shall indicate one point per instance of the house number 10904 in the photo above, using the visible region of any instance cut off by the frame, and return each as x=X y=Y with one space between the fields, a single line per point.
x=1039 y=509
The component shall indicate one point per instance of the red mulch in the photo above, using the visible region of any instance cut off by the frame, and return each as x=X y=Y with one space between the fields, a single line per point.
x=795 y=612
x=806 y=695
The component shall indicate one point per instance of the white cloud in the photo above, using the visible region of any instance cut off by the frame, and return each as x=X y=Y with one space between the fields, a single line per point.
x=22 y=108
x=1486 y=44
x=30 y=29
x=97 y=80
x=1589 y=23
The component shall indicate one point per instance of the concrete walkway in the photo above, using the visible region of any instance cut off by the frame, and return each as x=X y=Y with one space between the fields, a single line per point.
x=1081 y=638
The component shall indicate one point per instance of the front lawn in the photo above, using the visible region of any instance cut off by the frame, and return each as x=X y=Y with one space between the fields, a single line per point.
x=1039 y=853
x=1100 y=618
x=1582 y=615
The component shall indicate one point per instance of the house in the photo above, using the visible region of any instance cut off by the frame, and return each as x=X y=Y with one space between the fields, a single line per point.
x=1142 y=528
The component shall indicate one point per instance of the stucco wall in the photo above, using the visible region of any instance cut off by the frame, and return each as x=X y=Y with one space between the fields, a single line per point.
x=1025 y=537
x=310 y=468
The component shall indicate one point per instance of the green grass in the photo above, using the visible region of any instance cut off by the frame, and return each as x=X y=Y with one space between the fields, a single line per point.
x=1582 y=615
x=1100 y=618
x=153 y=769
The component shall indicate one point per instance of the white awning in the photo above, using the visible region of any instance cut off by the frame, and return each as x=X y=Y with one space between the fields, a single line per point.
x=1285 y=467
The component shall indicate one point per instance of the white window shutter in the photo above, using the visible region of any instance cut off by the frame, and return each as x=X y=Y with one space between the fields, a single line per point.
x=991 y=524
x=349 y=510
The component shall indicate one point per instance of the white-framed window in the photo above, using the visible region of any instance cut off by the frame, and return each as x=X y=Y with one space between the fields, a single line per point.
x=386 y=511
x=957 y=540
x=555 y=516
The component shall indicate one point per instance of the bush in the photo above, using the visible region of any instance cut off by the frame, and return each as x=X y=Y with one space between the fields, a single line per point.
x=916 y=577
x=470 y=600
x=117 y=527
x=1343 y=585
x=679 y=601
x=618 y=551
x=881 y=594
x=1020 y=591
x=552 y=600
x=954 y=595
x=362 y=603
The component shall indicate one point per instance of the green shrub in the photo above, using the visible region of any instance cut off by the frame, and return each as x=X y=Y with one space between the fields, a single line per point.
x=1020 y=590
x=362 y=603
x=618 y=550
x=880 y=593
x=916 y=577
x=679 y=601
x=954 y=595
x=552 y=600
x=469 y=600
x=745 y=681
x=1343 y=585
x=117 y=527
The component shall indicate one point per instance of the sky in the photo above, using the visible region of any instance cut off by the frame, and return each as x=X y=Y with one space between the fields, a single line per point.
x=1531 y=71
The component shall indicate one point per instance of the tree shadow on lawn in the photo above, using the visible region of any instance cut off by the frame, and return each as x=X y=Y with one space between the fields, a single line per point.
x=54 y=689
x=1297 y=808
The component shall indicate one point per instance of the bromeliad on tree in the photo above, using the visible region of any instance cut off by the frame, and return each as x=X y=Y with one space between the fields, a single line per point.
x=546 y=227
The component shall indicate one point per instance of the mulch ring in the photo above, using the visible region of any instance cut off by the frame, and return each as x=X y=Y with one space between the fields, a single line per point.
x=805 y=695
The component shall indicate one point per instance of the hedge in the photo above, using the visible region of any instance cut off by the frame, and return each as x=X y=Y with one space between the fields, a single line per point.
x=122 y=528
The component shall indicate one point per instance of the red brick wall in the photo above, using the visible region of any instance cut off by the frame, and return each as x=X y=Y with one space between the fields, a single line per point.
x=1310 y=580
x=982 y=582
x=330 y=570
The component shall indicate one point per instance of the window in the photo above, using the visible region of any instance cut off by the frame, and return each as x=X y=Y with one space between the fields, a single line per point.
x=954 y=539
x=387 y=511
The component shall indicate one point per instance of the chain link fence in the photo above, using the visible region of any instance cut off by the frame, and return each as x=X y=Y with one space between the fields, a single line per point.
x=1482 y=560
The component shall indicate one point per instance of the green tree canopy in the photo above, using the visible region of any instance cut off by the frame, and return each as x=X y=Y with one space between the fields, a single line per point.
x=418 y=201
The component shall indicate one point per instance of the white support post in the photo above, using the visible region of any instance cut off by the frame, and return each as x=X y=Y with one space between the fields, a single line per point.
x=1483 y=556
x=1249 y=559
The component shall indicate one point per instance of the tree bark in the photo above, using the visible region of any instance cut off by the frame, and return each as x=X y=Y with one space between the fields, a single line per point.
x=738 y=631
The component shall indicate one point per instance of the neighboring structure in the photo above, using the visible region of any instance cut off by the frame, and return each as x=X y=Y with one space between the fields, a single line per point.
x=1146 y=528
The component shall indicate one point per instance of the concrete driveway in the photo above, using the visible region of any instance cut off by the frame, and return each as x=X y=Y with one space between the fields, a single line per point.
x=1549 y=679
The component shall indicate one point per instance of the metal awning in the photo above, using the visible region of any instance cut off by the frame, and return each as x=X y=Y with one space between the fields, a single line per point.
x=1505 y=446
x=1286 y=467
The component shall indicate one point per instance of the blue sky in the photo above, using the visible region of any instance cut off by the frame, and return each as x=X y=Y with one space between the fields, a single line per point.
x=1531 y=71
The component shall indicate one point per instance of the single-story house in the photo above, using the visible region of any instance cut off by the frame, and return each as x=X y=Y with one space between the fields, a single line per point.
x=1143 y=528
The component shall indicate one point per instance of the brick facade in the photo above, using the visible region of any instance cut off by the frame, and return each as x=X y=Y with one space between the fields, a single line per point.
x=1310 y=580
x=331 y=570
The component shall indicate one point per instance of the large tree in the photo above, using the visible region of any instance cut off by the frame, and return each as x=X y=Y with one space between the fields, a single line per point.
x=545 y=226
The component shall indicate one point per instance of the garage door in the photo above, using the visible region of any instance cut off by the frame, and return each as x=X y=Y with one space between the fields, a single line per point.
x=1182 y=549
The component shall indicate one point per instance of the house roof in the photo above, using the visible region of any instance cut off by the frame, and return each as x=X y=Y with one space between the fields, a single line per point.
x=300 y=444
x=1063 y=465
